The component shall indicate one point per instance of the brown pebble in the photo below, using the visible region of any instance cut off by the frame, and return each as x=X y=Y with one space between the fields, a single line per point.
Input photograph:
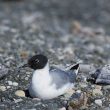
x=24 y=54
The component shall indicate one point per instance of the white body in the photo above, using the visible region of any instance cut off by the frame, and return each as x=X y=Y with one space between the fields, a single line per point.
x=42 y=87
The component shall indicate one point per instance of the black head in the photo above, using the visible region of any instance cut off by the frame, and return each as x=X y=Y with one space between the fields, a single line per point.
x=37 y=62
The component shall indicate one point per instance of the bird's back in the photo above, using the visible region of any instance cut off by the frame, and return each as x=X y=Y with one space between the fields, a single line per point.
x=60 y=77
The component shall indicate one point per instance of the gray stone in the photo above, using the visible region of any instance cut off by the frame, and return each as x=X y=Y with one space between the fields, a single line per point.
x=98 y=102
x=3 y=71
x=2 y=88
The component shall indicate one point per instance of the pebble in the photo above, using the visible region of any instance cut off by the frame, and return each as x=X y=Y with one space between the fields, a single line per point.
x=106 y=87
x=65 y=38
x=78 y=100
x=85 y=68
x=26 y=78
x=38 y=99
x=83 y=85
x=20 y=93
x=63 y=108
x=70 y=108
x=1 y=50
x=78 y=91
x=103 y=75
x=10 y=83
x=3 y=71
x=18 y=100
x=28 y=73
x=69 y=94
x=76 y=27
x=69 y=50
x=32 y=109
x=98 y=102
x=107 y=108
x=2 y=88
x=99 y=31
x=24 y=54
x=15 y=84
x=8 y=87
x=97 y=92
x=98 y=87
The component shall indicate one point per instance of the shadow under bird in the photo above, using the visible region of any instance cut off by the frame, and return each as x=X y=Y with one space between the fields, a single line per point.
x=49 y=83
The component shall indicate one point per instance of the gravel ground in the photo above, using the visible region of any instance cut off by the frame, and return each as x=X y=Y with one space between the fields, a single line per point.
x=67 y=32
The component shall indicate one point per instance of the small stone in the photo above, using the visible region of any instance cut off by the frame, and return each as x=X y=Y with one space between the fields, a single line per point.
x=99 y=31
x=8 y=87
x=83 y=85
x=28 y=73
x=98 y=102
x=61 y=57
x=69 y=93
x=3 y=71
x=15 y=84
x=26 y=78
x=24 y=54
x=98 y=87
x=10 y=83
x=69 y=50
x=78 y=100
x=18 y=100
x=63 y=108
x=107 y=108
x=106 y=87
x=76 y=27
x=70 y=108
x=104 y=75
x=38 y=99
x=85 y=68
x=1 y=50
x=32 y=109
x=20 y=93
x=78 y=91
x=97 y=92
x=2 y=88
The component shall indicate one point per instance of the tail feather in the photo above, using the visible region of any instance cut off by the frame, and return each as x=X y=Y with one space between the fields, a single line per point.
x=75 y=68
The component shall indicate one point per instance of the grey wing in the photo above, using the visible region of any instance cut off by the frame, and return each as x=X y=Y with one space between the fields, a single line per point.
x=60 y=78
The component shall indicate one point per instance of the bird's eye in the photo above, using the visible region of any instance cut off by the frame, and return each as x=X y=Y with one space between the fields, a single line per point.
x=37 y=61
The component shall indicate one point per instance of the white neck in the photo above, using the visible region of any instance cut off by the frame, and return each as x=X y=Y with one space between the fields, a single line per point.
x=41 y=80
x=41 y=73
x=43 y=70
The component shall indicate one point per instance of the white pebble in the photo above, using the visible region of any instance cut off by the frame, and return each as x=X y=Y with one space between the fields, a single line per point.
x=2 y=88
x=10 y=83
x=20 y=93
x=83 y=85
x=98 y=102
x=18 y=100
x=78 y=91
x=8 y=87
x=63 y=108
x=15 y=84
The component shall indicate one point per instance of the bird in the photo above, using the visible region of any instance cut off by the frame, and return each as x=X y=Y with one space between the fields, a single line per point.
x=49 y=83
